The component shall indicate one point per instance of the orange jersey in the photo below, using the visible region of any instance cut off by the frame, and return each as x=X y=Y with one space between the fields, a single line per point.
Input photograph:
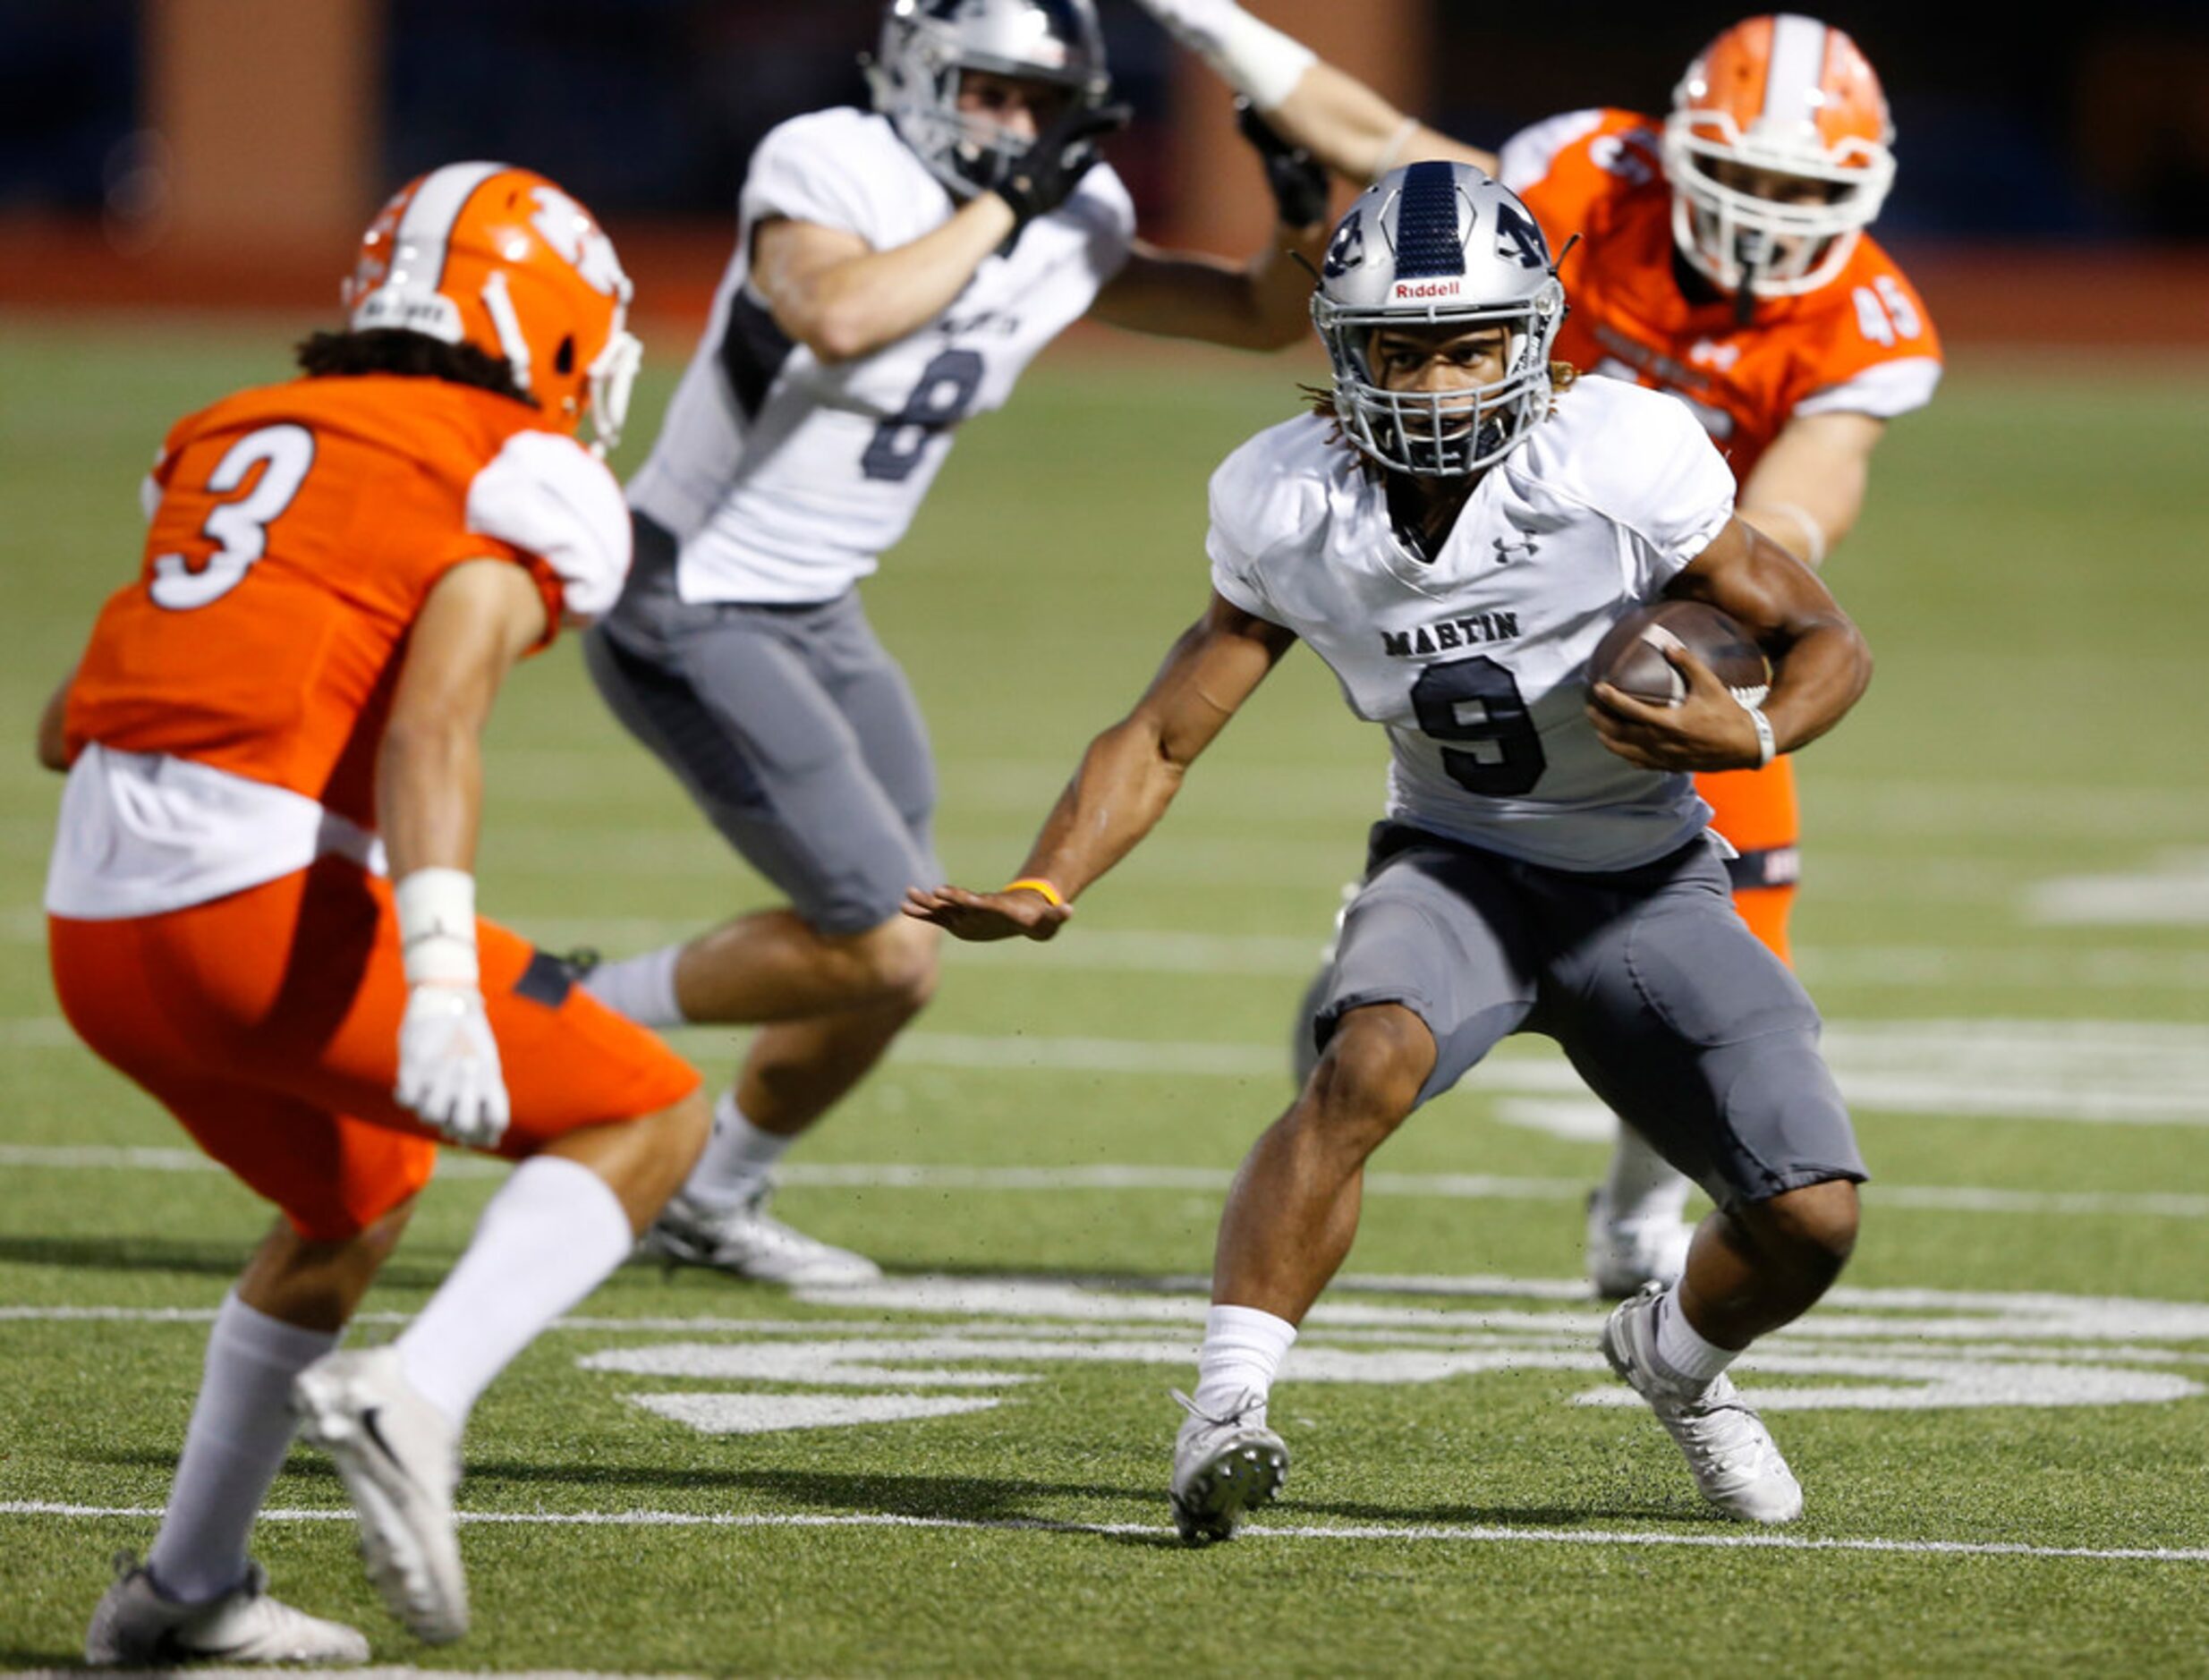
x=1862 y=343
x=298 y=531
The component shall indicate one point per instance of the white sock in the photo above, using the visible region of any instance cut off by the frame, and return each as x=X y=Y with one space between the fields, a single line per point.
x=736 y=1159
x=641 y=988
x=1243 y=1352
x=1681 y=1348
x=1642 y=1184
x=549 y=1237
x=241 y=1430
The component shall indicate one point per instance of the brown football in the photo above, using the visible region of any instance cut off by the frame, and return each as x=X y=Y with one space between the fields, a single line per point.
x=1630 y=656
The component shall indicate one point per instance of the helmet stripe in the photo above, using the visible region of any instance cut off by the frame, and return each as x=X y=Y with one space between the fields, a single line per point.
x=435 y=209
x=1426 y=224
x=1797 y=67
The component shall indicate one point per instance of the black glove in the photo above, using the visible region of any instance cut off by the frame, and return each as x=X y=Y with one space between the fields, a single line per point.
x=1300 y=184
x=1040 y=181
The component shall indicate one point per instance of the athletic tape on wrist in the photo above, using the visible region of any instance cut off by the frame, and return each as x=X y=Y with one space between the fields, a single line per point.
x=1253 y=57
x=1765 y=744
x=437 y=927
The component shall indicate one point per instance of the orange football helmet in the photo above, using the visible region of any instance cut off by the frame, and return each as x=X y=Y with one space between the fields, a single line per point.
x=499 y=257
x=1779 y=152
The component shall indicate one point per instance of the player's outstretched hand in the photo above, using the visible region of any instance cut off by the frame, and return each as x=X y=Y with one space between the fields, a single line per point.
x=449 y=1073
x=1707 y=729
x=980 y=917
x=1040 y=182
x=1301 y=188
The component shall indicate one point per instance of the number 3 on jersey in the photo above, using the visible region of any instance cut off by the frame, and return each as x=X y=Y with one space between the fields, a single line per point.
x=1474 y=704
x=939 y=403
x=239 y=529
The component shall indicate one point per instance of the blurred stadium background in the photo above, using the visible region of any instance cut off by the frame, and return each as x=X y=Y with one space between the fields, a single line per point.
x=2007 y=923
x=2054 y=182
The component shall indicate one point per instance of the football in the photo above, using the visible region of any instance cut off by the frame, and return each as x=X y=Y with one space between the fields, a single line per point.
x=1630 y=656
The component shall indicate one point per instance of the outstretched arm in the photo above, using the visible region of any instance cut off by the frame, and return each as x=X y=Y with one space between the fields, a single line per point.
x=1808 y=488
x=1820 y=663
x=1127 y=778
x=1337 y=118
x=1261 y=304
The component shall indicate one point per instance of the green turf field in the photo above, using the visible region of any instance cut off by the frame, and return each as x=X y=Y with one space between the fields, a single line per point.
x=2001 y=1421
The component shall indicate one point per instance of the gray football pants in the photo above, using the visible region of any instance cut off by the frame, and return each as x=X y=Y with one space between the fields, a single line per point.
x=1667 y=1006
x=791 y=728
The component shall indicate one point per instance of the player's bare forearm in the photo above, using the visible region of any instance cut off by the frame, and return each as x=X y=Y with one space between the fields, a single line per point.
x=1823 y=673
x=53 y=735
x=480 y=618
x=1357 y=133
x=1116 y=798
x=1124 y=787
x=1807 y=491
x=1821 y=664
x=429 y=795
x=842 y=298
x=1262 y=304
x=1127 y=778
x=1820 y=660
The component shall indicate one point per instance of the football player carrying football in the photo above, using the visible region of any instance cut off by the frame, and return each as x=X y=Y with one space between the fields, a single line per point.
x=1454 y=535
x=895 y=271
x=260 y=901
x=1720 y=255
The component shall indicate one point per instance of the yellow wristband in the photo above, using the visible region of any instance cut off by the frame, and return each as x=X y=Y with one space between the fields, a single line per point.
x=1036 y=884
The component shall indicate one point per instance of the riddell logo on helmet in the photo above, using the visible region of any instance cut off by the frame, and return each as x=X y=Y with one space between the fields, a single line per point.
x=1412 y=291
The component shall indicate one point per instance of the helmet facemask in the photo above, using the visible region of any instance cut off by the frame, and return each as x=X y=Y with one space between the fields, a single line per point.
x=1768 y=246
x=1439 y=249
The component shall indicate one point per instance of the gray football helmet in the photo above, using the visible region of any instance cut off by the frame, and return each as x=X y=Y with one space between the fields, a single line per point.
x=1439 y=244
x=928 y=45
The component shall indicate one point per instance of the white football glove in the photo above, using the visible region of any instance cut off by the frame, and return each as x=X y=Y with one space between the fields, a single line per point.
x=448 y=1065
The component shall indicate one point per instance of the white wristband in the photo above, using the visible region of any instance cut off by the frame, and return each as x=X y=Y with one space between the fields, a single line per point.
x=1252 y=57
x=1765 y=745
x=437 y=927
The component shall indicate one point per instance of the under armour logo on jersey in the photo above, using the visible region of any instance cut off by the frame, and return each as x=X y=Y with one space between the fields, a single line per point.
x=1517 y=546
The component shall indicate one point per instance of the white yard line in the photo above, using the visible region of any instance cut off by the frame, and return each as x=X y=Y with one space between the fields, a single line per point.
x=1199 y=1180
x=2110 y=1073
x=1428 y=1533
x=1141 y=950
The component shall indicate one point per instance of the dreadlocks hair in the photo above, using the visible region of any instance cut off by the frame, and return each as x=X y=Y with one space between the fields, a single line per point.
x=393 y=350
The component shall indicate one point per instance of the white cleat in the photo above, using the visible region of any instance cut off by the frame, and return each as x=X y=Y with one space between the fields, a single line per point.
x=399 y=1460
x=1625 y=1254
x=747 y=1242
x=1223 y=1466
x=1727 y=1448
x=135 y=1626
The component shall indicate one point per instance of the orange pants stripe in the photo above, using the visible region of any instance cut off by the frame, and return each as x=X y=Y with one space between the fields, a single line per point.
x=1757 y=814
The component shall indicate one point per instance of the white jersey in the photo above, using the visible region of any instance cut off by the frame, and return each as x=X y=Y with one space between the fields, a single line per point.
x=1476 y=662
x=783 y=478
